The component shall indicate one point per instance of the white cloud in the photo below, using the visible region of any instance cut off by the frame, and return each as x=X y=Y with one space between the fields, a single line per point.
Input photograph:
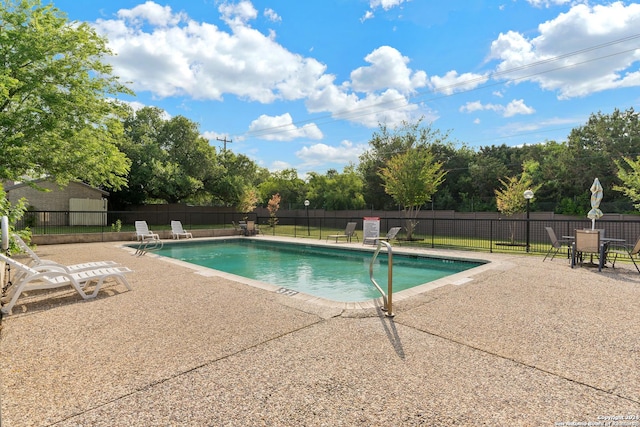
x=451 y=82
x=474 y=106
x=321 y=153
x=281 y=128
x=213 y=136
x=563 y=57
x=389 y=107
x=201 y=61
x=272 y=15
x=385 y=4
x=170 y=55
x=387 y=85
x=238 y=13
x=514 y=127
x=515 y=107
x=547 y=3
x=368 y=15
x=388 y=69
x=279 y=166
x=151 y=12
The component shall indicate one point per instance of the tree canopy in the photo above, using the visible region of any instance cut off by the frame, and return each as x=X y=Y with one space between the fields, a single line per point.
x=171 y=162
x=59 y=117
x=57 y=113
x=384 y=144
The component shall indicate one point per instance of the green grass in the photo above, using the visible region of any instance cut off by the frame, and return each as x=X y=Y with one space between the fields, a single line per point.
x=300 y=231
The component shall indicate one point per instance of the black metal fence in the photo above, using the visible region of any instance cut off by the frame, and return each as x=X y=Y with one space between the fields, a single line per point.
x=493 y=235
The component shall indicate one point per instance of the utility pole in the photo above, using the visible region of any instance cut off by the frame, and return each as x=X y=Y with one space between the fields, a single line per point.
x=225 y=140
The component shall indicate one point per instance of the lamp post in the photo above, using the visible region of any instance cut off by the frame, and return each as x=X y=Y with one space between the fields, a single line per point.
x=306 y=208
x=528 y=195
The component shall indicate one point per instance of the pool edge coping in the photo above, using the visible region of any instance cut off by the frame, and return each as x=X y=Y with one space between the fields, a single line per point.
x=455 y=279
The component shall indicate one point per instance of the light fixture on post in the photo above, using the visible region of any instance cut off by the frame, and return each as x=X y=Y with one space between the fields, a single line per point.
x=528 y=195
x=306 y=208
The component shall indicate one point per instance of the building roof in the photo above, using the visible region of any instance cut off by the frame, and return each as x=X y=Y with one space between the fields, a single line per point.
x=12 y=185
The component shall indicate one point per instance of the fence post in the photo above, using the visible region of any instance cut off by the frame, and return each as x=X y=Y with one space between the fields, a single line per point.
x=433 y=232
x=490 y=236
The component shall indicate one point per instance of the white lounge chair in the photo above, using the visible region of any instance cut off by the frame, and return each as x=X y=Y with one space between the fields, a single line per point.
x=143 y=232
x=349 y=233
x=51 y=276
x=177 y=231
x=148 y=240
x=36 y=260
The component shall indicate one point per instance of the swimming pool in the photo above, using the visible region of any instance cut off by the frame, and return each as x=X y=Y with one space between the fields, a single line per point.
x=337 y=274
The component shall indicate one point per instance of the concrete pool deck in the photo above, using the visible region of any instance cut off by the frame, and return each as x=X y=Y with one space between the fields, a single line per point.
x=517 y=343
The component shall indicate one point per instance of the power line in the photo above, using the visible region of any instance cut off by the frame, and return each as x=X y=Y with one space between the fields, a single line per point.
x=365 y=111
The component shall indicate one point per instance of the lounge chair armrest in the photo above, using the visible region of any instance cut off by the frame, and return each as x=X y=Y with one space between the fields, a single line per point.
x=49 y=267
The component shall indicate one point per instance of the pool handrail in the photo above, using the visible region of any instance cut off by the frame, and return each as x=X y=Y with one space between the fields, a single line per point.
x=143 y=246
x=387 y=298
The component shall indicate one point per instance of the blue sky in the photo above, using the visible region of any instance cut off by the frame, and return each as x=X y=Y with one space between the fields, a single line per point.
x=304 y=84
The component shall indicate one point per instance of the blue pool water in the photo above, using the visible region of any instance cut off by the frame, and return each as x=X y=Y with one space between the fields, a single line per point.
x=336 y=274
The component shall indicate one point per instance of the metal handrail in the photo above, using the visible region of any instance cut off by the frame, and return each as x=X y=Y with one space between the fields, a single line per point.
x=387 y=298
x=144 y=247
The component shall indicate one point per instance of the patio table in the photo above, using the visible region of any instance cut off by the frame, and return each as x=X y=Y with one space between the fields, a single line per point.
x=605 y=241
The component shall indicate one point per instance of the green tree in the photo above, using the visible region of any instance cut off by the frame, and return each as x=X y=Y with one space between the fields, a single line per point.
x=412 y=178
x=336 y=191
x=57 y=112
x=13 y=214
x=286 y=182
x=510 y=198
x=384 y=144
x=594 y=148
x=248 y=200
x=236 y=171
x=459 y=182
x=629 y=175
x=171 y=162
x=485 y=172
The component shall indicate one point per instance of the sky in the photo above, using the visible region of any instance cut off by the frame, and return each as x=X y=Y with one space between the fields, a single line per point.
x=306 y=84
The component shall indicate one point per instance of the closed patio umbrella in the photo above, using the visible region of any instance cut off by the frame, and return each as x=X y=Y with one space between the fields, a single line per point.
x=596 y=197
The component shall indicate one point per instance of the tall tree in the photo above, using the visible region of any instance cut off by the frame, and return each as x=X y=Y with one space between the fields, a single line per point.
x=286 y=183
x=459 y=182
x=510 y=198
x=236 y=173
x=485 y=172
x=412 y=178
x=629 y=175
x=57 y=113
x=336 y=191
x=171 y=162
x=384 y=144
x=595 y=147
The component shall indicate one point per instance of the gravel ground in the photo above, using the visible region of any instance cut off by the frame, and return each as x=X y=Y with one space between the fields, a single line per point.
x=518 y=342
